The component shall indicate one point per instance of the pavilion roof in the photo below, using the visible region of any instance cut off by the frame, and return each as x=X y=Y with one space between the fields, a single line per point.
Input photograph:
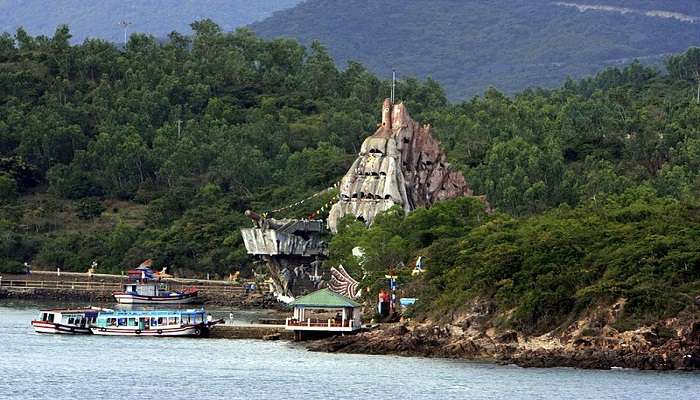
x=325 y=298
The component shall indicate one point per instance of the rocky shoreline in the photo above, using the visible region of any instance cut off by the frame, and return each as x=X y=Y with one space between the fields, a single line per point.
x=672 y=344
x=510 y=348
x=590 y=343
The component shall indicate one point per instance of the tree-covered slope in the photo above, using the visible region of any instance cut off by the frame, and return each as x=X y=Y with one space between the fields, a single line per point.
x=508 y=44
x=94 y=164
x=100 y=19
x=540 y=272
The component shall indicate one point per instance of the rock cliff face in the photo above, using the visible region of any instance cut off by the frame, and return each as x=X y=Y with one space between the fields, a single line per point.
x=400 y=164
x=591 y=342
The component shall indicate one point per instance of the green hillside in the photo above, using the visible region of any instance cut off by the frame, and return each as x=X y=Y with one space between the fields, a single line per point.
x=469 y=46
x=595 y=184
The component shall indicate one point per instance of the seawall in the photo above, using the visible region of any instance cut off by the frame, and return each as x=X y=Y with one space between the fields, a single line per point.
x=252 y=331
x=42 y=285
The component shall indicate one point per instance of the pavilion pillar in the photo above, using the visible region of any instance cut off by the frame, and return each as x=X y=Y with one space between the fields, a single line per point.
x=344 y=317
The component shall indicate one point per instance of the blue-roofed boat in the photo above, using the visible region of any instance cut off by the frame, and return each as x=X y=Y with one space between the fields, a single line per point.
x=154 y=323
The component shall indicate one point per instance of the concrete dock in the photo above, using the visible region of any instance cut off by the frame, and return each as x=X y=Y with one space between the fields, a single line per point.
x=251 y=331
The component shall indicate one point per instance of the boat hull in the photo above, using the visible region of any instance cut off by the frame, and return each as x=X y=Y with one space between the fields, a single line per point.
x=131 y=298
x=54 y=328
x=187 y=330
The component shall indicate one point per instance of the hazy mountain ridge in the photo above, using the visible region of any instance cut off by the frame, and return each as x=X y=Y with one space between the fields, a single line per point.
x=158 y=17
x=469 y=46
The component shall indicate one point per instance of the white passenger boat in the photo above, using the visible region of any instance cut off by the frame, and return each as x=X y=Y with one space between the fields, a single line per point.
x=144 y=287
x=153 y=323
x=71 y=321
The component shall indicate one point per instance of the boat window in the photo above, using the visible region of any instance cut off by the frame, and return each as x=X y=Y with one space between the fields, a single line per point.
x=160 y=321
x=121 y=321
x=132 y=321
x=185 y=319
x=172 y=321
x=44 y=317
x=177 y=320
x=154 y=321
x=71 y=321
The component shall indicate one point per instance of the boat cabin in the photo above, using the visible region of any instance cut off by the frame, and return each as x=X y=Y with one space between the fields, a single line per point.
x=65 y=320
x=146 y=288
x=324 y=313
x=68 y=317
x=145 y=320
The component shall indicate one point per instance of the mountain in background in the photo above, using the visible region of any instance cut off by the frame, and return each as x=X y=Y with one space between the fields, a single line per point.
x=100 y=19
x=510 y=44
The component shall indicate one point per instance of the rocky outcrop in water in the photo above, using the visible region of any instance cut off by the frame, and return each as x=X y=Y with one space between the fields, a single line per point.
x=400 y=164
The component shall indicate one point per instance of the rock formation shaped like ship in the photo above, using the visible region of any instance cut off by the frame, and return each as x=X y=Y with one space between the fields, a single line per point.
x=292 y=250
x=400 y=164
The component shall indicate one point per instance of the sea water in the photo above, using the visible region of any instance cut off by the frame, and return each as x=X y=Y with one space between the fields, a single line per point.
x=40 y=366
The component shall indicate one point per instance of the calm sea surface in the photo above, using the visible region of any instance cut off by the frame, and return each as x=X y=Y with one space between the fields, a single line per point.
x=34 y=366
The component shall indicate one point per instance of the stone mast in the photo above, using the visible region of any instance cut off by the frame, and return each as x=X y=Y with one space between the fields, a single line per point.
x=400 y=164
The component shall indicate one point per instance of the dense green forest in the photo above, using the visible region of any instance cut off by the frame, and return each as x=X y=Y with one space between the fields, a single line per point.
x=469 y=46
x=155 y=150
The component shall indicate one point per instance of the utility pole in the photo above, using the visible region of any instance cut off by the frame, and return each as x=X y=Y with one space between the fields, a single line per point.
x=179 y=123
x=125 y=24
x=393 y=85
x=697 y=78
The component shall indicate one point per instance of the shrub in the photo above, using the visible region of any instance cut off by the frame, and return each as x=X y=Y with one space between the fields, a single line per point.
x=11 y=266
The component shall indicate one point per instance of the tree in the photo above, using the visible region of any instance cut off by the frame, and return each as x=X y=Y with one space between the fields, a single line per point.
x=322 y=75
x=8 y=187
x=69 y=182
x=90 y=208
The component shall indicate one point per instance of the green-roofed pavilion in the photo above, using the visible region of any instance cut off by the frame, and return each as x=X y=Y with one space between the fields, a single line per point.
x=325 y=298
x=314 y=313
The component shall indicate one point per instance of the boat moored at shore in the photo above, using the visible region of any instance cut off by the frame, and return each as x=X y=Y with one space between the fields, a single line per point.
x=70 y=321
x=153 y=293
x=144 y=287
x=154 y=323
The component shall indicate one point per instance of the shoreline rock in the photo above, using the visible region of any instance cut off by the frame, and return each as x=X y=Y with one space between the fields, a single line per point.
x=680 y=353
